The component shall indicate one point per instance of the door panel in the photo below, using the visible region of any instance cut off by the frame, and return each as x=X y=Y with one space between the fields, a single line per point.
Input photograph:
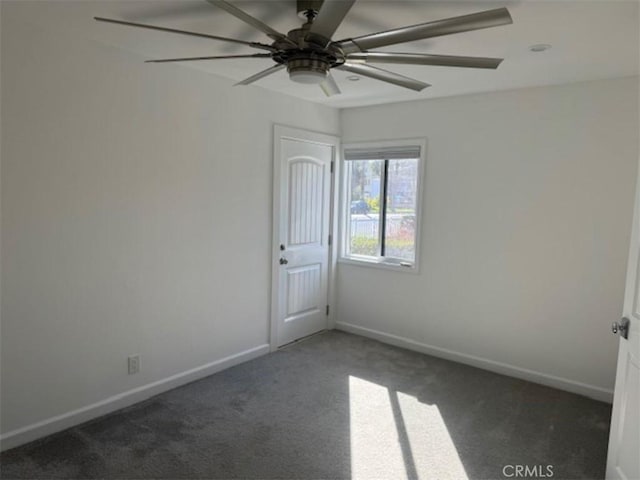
x=306 y=178
x=303 y=183
x=623 y=460
x=304 y=290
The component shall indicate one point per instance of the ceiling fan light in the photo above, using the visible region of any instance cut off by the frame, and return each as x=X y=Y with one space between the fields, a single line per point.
x=308 y=77
x=308 y=70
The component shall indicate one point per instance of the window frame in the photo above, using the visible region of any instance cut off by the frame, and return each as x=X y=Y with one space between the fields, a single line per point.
x=387 y=263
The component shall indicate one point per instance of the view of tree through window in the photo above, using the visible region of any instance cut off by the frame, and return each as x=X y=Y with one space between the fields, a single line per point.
x=381 y=210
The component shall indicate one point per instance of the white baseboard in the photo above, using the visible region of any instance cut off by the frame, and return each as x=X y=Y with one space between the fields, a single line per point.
x=75 y=417
x=560 y=383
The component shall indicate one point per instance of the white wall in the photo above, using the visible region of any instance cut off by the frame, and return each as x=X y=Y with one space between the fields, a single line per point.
x=136 y=219
x=525 y=231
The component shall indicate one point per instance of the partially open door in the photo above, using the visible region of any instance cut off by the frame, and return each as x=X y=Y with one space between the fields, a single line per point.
x=623 y=460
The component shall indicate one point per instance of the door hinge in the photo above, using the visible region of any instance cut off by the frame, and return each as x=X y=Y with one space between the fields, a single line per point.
x=332 y=165
x=327 y=310
x=330 y=240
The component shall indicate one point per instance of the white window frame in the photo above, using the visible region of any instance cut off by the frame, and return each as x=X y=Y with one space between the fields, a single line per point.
x=381 y=262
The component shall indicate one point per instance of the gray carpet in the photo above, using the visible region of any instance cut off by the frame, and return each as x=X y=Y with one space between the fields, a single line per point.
x=334 y=406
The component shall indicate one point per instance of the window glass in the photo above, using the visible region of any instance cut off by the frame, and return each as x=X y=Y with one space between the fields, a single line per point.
x=400 y=219
x=364 y=207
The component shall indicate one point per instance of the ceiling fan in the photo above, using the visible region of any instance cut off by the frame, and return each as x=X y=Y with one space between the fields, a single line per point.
x=309 y=53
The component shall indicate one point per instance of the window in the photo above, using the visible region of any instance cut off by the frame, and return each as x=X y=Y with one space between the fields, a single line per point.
x=381 y=203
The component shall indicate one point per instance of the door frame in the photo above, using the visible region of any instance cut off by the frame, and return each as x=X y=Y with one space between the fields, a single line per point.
x=283 y=131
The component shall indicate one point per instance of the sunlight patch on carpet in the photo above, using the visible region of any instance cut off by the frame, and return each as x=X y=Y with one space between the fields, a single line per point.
x=393 y=435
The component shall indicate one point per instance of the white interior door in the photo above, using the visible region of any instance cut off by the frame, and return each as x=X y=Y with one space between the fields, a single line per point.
x=623 y=460
x=302 y=214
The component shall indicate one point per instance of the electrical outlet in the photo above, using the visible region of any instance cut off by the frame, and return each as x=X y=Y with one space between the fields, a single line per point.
x=134 y=364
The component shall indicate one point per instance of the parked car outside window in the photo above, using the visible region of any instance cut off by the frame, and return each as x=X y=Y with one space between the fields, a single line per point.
x=360 y=206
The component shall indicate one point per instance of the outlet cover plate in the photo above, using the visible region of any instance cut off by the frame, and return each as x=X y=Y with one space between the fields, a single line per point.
x=134 y=364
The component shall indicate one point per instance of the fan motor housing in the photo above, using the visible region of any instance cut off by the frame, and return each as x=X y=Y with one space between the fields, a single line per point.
x=308 y=64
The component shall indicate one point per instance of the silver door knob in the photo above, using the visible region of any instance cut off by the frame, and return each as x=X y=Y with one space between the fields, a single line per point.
x=621 y=327
x=283 y=261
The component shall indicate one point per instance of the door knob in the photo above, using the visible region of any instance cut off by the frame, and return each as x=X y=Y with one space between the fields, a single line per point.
x=621 y=327
x=283 y=261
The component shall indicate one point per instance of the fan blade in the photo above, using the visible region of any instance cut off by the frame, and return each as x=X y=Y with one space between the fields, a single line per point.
x=218 y=57
x=329 y=18
x=329 y=86
x=425 y=59
x=184 y=32
x=254 y=22
x=465 y=23
x=261 y=74
x=384 y=75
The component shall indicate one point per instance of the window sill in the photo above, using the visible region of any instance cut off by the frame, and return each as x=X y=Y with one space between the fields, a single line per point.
x=373 y=263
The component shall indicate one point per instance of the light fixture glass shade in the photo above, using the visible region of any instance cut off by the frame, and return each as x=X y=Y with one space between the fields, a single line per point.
x=307 y=77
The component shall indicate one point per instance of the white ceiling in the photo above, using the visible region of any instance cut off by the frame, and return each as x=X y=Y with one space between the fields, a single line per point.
x=591 y=40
